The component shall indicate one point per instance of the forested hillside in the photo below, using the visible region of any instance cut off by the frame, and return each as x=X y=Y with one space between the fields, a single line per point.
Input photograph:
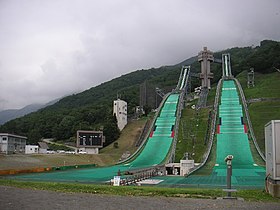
x=92 y=109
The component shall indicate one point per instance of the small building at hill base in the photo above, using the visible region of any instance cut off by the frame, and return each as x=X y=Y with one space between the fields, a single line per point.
x=43 y=147
x=11 y=144
x=31 y=149
x=181 y=169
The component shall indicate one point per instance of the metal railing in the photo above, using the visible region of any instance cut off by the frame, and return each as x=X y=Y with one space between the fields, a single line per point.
x=202 y=101
x=134 y=176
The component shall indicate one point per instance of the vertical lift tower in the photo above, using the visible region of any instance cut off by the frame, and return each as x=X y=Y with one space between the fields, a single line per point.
x=205 y=57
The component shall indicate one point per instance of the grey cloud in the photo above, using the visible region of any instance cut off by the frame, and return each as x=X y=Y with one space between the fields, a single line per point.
x=53 y=48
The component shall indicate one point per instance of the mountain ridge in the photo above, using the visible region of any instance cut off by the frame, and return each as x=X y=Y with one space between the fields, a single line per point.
x=10 y=114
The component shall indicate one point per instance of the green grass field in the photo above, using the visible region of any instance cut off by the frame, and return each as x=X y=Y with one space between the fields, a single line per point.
x=192 y=131
x=261 y=113
x=126 y=141
x=266 y=86
x=248 y=195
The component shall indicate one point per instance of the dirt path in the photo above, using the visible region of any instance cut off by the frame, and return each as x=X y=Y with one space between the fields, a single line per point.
x=15 y=198
x=19 y=161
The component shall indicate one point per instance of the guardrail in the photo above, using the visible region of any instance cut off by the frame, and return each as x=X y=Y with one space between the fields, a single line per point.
x=134 y=176
x=248 y=119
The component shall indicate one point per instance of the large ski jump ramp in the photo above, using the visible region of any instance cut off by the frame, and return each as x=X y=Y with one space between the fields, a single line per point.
x=232 y=139
x=154 y=153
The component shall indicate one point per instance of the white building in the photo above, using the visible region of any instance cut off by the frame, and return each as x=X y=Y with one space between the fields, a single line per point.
x=10 y=143
x=120 y=110
x=181 y=169
x=31 y=149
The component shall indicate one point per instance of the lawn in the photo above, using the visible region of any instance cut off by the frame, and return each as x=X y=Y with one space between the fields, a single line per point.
x=248 y=195
x=267 y=86
x=127 y=140
x=192 y=131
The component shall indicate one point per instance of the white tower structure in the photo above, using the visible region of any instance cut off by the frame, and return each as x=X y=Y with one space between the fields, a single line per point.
x=120 y=110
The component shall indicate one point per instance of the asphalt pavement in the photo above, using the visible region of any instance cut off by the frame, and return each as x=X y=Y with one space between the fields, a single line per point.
x=12 y=198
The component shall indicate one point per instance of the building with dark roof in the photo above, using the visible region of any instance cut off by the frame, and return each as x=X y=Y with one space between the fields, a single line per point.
x=43 y=147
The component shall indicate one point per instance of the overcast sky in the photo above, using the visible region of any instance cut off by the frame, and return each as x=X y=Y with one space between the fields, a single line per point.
x=51 y=48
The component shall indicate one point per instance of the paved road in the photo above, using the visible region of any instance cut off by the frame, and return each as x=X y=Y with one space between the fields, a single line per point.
x=15 y=198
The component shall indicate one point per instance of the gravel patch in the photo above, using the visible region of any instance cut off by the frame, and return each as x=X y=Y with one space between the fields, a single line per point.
x=17 y=198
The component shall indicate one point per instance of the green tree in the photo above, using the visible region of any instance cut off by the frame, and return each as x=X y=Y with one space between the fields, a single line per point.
x=147 y=109
x=34 y=136
x=64 y=129
x=111 y=130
